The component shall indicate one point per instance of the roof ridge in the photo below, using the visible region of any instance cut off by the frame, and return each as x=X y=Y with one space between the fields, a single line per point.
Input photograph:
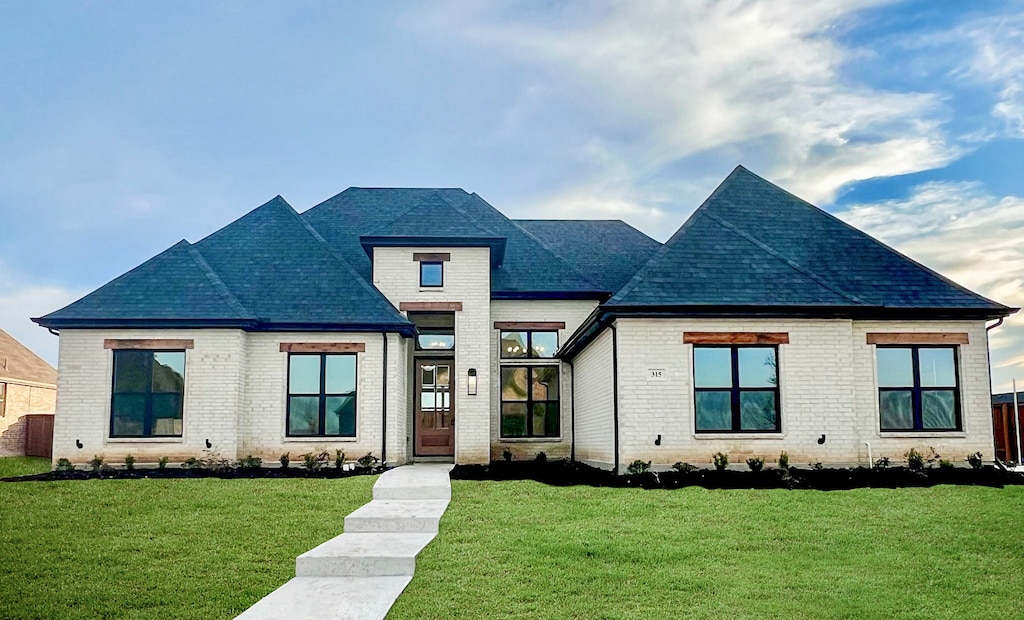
x=778 y=255
x=216 y=281
x=463 y=212
x=374 y=292
x=604 y=220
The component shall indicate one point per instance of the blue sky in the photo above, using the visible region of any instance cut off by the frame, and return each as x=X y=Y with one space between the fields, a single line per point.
x=125 y=127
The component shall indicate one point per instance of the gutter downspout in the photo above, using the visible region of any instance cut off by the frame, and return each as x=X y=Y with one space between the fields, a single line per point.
x=572 y=411
x=988 y=360
x=384 y=407
x=615 y=394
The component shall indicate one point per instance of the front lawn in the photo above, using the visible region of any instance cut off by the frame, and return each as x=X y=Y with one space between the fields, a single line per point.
x=204 y=548
x=522 y=549
x=23 y=465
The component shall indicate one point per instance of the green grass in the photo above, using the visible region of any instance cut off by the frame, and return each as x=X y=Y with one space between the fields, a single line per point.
x=23 y=465
x=526 y=550
x=204 y=548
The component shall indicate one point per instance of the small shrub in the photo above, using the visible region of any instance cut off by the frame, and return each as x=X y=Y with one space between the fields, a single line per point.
x=162 y=463
x=339 y=459
x=191 y=463
x=313 y=462
x=784 y=460
x=542 y=457
x=285 y=459
x=817 y=466
x=129 y=462
x=933 y=456
x=507 y=455
x=975 y=460
x=945 y=464
x=915 y=460
x=97 y=462
x=882 y=463
x=368 y=460
x=684 y=467
x=64 y=465
x=755 y=463
x=721 y=460
x=639 y=467
x=250 y=462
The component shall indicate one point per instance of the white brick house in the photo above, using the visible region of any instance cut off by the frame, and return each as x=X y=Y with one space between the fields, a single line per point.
x=424 y=324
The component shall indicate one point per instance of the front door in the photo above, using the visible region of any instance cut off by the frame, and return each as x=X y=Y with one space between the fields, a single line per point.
x=435 y=408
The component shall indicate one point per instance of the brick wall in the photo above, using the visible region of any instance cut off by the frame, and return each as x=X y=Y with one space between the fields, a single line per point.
x=593 y=374
x=467 y=279
x=827 y=386
x=20 y=400
x=570 y=312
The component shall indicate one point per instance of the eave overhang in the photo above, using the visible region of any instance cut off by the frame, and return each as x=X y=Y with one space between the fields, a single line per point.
x=496 y=244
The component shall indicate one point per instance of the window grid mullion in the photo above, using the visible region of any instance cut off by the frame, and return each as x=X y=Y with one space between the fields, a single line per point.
x=323 y=398
x=735 y=397
x=916 y=398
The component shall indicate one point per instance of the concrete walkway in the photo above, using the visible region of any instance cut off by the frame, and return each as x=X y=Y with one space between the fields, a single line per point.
x=361 y=573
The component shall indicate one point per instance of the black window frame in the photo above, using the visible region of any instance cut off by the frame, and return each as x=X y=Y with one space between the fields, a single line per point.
x=735 y=390
x=440 y=264
x=917 y=401
x=529 y=343
x=147 y=421
x=530 y=401
x=323 y=396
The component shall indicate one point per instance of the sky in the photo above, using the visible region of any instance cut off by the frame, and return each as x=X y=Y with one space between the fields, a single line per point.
x=127 y=126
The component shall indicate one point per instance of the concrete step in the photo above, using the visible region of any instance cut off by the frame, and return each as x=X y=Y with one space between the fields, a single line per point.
x=318 y=598
x=363 y=555
x=397 y=515
x=420 y=481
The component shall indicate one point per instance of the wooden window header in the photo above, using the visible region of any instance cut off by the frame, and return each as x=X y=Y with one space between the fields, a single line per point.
x=155 y=344
x=918 y=338
x=435 y=257
x=735 y=338
x=323 y=347
x=430 y=306
x=526 y=326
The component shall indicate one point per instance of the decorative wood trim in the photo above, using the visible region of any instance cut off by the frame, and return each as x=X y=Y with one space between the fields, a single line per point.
x=430 y=306
x=735 y=338
x=323 y=347
x=152 y=343
x=435 y=257
x=528 y=326
x=918 y=338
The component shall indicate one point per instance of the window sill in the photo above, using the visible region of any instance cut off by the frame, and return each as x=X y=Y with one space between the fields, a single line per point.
x=924 y=434
x=529 y=439
x=145 y=440
x=775 y=436
x=431 y=289
x=316 y=439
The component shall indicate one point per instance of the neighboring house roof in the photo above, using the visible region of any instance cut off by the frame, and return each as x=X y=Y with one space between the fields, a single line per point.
x=1007 y=399
x=18 y=363
x=608 y=251
x=753 y=244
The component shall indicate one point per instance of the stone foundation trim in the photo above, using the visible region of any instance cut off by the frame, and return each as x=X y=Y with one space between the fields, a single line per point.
x=735 y=338
x=918 y=338
x=323 y=347
x=152 y=343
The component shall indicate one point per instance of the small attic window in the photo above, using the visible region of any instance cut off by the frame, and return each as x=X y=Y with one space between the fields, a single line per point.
x=432 y=273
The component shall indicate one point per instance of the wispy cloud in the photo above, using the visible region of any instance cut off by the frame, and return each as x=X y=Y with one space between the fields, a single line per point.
x=22 y=299
x=969 y=235
x=998 y=61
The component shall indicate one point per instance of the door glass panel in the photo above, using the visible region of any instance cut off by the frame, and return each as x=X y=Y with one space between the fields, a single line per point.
x=443 y=375
x=427 y=373
x=936 y=367
x=427 y=399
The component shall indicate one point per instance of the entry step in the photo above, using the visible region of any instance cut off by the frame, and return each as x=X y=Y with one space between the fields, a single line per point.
x=317 y=598
x=363 y=555
x=397 y=515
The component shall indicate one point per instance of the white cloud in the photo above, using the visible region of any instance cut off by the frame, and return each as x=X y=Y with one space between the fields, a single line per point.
x=998 y=60
x=20 y=300
x=970 y=236
x=760 y=83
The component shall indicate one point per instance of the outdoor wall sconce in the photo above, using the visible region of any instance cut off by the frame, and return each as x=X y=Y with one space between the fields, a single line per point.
x=471 y=382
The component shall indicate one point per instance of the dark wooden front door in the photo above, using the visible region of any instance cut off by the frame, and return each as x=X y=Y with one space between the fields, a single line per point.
x=435 y=407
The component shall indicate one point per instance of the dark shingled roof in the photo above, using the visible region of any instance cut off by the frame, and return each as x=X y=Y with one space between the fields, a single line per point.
x=753 y=244
x=18 y=363
x=608 y=251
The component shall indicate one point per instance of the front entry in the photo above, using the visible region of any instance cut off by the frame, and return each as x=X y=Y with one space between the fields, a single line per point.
x=435 y=408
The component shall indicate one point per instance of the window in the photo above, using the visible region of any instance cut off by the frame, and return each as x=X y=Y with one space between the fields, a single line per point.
x=321 y=395
x=3 y=399
x=524 y=344
x=918 y=388
x=431 y=273
x=529 y=401
x=148 y=392
x=435 y=331
x=736 y=389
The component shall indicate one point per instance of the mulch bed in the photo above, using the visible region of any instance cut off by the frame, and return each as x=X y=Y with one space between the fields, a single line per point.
x=195 y=472
x=568 y=473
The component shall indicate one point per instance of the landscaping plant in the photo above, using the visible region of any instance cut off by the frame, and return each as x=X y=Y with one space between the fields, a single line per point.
x=915 y=460
x=755 y=463
x=784 y=460
x=285 y=459
x=339 y=459
x=368 y=460
x=313 y=462
x=974 y=460
x=721 y=460
x=250 y=462
x=639 y=467
x=96 y=463
x=882 y=463
x=64 y=465
x=162 y=463
x=684 y=467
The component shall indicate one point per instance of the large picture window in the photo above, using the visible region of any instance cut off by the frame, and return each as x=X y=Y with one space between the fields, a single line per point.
x=148 y=393
x=736 y=389
x=918 y=388
x=321 y=395
x=529 y=401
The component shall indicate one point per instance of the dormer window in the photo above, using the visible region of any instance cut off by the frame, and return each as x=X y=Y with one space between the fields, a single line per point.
x=431 y=273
